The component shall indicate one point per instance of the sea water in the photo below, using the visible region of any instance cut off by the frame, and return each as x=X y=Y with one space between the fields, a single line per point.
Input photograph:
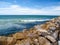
x=14 y=23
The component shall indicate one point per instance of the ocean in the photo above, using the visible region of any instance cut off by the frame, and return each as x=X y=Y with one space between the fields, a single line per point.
x=14 y=23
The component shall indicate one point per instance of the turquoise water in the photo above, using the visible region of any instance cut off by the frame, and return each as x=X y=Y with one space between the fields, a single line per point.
x=14 y=23
x=25 y=16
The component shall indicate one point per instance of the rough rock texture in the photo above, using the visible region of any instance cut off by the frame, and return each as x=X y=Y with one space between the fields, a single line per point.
x=3 y=40
x=44 y=41
x=11 y=41
x=44 y=34
x=7 y=40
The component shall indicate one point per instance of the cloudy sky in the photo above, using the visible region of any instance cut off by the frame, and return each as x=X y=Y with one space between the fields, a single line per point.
x=31 y=7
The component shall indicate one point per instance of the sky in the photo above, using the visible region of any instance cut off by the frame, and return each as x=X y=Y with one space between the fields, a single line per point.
x=29 y=7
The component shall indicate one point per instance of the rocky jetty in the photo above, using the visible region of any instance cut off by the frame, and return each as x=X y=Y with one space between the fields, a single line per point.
x=44 y=34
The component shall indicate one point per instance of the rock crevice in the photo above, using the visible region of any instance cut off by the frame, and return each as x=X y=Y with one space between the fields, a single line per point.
x=44 y=34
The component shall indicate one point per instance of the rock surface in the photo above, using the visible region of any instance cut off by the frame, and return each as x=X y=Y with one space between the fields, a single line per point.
x=44 y=34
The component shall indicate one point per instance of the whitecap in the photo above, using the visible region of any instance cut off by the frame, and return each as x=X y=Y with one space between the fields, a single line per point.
x=3 y=21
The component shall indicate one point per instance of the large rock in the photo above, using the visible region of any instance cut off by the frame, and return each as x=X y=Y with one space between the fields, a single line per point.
x=7 y=40
x=11 y=41
x=44 y=34
x=35 y=41
x=27 y=41
x=19 y=35
x=55 y=34
x=51 y=38
x=19 y=42
x=3 y=40
x=43 y=41
x=23 y=42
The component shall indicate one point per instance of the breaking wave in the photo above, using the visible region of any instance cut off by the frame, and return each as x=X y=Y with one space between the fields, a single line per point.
x=3 y=21
x=8 y=26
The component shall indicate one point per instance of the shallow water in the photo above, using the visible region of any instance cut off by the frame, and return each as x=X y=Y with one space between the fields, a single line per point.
x=11 y=24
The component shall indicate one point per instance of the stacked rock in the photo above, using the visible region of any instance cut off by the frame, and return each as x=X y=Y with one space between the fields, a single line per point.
x=44 y=34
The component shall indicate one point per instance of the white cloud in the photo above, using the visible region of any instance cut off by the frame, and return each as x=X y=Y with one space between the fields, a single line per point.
x=57 y=8
x=16 y=9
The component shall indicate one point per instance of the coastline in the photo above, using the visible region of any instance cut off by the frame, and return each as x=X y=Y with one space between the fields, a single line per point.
x=44 y=34
x=10 y=24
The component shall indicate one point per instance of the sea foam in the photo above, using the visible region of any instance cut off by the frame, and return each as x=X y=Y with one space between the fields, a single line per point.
x=13 y=25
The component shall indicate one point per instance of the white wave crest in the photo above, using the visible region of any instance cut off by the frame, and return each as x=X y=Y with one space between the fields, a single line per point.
x=4 y=21
x=34 y=20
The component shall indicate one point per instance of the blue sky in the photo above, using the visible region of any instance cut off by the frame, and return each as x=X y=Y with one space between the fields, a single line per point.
x=31 y=7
